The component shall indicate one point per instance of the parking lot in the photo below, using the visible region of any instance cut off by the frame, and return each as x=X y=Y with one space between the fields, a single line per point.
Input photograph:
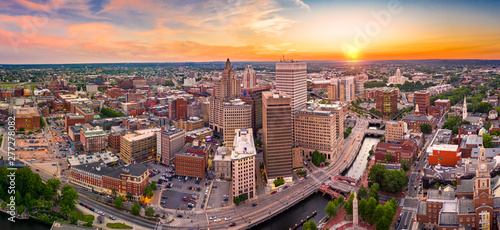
x=180 y=186
x=217 y=199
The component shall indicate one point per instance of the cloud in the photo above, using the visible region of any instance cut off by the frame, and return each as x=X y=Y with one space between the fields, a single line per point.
x=301 y=4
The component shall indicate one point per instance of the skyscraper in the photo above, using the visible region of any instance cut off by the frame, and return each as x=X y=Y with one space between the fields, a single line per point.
x=237 y=115
x=423 y=99
x=277 y=134
x=386 y=101
x=253 y=97
x=249 y=77
x=291 y=78
x=227 y=88
x=243 y=159
x=346 y=89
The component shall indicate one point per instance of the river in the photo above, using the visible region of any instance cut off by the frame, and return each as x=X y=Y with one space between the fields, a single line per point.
x=21 y=224
x=292 y=216
x=359 y=165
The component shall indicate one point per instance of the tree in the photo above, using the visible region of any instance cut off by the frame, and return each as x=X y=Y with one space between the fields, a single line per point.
x=4 y=205
x=113 y=192
x=331 y=209
x=348 y=205
x=149 y=212
x=495 y=132
x=279 y=181
x=488 y=141
x=129 y=196
x=382 y=139
x=136 y=208
x=236 y=200
x=243 y=197
x=153 y=186
x=68 y=199
x=317 y=158
x=388 y=157
x=362 y=192
x=405 y=165
x=373 y=192
x=309 y=225
x=376 y=174
x=119 y=202
x=426 y=128
x=369 y=209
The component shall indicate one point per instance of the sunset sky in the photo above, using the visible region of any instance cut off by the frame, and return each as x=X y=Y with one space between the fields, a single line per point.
x=93 y=31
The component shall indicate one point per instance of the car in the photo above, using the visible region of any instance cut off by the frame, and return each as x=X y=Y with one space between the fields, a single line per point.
x=91 y=209
x=38 y=170
x=212 y=218
x=273 y=192
x=163 y=202
x=179 y=215
x=215 y=186
x=112 y=217
x=254 y=204
x=232 y=224
x=184 y=199
x=227 y=218
x=164 y=197
x=193 y=200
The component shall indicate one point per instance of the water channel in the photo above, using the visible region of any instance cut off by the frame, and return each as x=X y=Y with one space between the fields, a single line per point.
x=359 y=165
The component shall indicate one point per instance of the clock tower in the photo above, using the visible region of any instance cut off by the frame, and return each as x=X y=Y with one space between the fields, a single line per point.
x=483 y=199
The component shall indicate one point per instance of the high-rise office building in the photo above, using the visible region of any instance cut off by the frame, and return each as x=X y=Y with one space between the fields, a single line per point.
x=177 y=109
x=227 y=88
x=316 y=130
x=249 y=77
x=253 y=97
x=169 y=142
x=423 y=99
x=243 y=161
x=291 y=78
x=347 y=89
x=386 y=101
x=333 y=87
x=339 y=110
x=277 y=134
x=237 y=115
x=137 y=148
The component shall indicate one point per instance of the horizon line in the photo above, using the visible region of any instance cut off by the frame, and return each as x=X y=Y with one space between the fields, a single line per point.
x=172 y=62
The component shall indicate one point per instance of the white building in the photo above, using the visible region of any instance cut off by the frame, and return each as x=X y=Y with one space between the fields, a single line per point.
x=190 y=81
x=91 y=88
x=398 y=78
x=243 y=160
x=249 y=77
x=291 y=78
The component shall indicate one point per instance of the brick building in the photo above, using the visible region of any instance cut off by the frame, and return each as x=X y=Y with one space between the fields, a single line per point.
x=386 y=101
x=474 y=204
x=192 y=160
x=27 y=118
x=177 y=109
x=405 y=149
x=423 y=100
x=93 y=139
x=103 y=179
x=72 y=119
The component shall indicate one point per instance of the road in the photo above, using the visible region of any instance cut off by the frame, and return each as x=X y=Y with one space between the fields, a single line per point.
x=412 y=196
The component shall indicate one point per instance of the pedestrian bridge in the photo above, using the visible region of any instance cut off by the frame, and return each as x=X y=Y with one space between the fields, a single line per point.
x=374 y=132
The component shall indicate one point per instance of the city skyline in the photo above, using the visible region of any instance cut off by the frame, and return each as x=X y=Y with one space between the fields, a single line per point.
x=94 y=31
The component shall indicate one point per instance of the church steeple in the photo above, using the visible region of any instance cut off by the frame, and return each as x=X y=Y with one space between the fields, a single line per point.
x=464 y=109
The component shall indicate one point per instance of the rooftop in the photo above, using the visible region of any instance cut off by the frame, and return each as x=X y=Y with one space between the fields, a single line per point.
x=243 y=144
